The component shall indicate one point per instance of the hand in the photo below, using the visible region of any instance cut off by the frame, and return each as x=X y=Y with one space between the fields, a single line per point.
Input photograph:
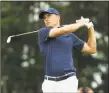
x=83 y=20
x=88 y=25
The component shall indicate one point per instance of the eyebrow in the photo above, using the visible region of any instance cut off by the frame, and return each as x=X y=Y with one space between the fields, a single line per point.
x=46 y=15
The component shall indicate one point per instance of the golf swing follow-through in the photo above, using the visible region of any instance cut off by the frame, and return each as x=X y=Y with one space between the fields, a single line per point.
x=56 y=43
x=9 y=38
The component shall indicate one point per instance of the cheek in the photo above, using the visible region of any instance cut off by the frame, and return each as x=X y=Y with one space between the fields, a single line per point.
x=54 y=20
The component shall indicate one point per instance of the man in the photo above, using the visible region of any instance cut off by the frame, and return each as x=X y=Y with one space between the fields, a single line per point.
x=56 y=43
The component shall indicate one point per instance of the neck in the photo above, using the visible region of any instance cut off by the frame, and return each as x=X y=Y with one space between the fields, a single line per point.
x=57 y=26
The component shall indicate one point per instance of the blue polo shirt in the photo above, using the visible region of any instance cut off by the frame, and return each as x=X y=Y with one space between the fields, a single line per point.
x=57 y=52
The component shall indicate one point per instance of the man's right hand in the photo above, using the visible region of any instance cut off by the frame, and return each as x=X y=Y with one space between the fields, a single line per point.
x=83 y=21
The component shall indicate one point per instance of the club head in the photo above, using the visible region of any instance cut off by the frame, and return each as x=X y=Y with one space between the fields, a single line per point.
x=9 y=39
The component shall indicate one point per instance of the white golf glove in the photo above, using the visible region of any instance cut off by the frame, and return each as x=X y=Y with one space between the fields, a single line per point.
x=86 y=20
x=88 y=25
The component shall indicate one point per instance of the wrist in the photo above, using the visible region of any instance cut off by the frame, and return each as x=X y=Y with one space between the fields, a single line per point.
x=80 y=24
x=88 y=25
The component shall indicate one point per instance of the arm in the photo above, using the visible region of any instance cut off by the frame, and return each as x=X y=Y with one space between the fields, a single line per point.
x=66 y=29
x=90 y=46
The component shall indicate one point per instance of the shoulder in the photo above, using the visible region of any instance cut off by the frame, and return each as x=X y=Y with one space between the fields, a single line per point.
x=44 y=29
x=44 y=32
x=73 y=35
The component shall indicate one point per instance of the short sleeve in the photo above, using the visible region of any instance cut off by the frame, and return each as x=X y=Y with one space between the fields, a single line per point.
x=43 y=34
x=77 y=43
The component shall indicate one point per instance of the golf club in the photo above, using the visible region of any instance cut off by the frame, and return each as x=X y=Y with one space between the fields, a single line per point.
x=9 y=38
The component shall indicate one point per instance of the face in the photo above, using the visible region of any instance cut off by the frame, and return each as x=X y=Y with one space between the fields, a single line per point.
x=51 y=20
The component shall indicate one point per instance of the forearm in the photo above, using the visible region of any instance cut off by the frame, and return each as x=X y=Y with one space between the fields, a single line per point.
x=91 y=38
x=66 y=29
x=72 y=27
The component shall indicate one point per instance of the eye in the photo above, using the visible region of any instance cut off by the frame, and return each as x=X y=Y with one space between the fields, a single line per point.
x=47 y=16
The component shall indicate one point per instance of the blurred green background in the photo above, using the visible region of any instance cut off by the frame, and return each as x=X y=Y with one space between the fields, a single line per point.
x=21 y=61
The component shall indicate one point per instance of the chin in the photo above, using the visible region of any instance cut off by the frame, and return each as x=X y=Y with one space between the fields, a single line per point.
x=49 y=26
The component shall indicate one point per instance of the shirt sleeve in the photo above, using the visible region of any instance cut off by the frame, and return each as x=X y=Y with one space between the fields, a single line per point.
x=77 y=43
x=43 y=34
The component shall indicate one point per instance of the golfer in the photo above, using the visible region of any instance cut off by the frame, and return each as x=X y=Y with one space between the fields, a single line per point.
x=56 y=43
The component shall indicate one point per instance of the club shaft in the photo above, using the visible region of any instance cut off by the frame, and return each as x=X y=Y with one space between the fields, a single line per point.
x=24 y=33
